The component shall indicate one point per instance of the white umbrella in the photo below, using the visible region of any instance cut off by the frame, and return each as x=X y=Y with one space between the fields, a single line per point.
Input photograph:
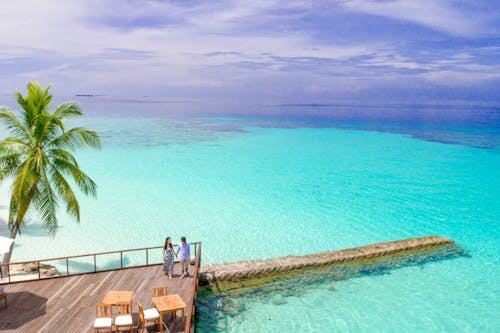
x=5 y=244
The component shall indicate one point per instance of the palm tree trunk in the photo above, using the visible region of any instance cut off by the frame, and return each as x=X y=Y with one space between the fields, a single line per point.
x=8 y=255
x=19 y=213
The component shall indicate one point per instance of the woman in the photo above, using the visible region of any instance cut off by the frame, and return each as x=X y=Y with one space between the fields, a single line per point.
x=168 y=257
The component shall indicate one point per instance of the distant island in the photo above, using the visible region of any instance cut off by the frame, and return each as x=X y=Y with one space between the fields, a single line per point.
x=88 y=95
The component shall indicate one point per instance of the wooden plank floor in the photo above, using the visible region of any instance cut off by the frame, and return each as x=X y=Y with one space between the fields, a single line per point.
x=68 y=304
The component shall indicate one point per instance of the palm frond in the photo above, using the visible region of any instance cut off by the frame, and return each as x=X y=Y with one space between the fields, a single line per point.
x=62 y=154
x=27 y=113
x=14 y=125
x=48 y=128
x=23 y=189
x=38 y=99
x=65 y=192
x=13 y=143
x=34 y=104
x=26 y=179
x=68 y=110
x=12 y=212
x=84 y=182
x=22 y=101
x=77 y=137
x=9 y=164
x=45 y=201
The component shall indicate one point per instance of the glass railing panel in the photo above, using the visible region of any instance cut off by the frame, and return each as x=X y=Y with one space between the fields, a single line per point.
x=134 y=258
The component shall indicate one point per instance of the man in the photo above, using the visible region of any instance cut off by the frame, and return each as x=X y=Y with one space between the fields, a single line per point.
x=185 y=254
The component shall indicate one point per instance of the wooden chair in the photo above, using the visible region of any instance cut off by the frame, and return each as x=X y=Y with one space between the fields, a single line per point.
x=124 y=308
x=160 y=291
x=149 y=316
x=103 y=319
x=124 y=319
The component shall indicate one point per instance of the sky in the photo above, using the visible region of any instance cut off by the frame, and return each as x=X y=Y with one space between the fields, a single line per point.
x=282 y=51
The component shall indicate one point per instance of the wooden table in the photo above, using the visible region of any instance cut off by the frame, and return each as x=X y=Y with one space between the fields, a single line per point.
x=169 y=303
x=118 y=298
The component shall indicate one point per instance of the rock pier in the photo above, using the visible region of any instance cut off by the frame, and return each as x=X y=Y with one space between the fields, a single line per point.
x=240 y=274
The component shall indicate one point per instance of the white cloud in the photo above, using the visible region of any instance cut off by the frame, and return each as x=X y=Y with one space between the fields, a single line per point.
x=437 y=14
x=80 y=31
x=459 y=78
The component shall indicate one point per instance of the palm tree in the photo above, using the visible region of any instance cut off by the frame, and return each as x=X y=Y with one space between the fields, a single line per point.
x=37 y=156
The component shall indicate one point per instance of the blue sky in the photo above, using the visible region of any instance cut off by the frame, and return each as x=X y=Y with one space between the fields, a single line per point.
x=296 y=51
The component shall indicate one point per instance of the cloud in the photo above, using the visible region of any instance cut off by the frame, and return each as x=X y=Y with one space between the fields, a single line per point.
x=225 y=47
x=442 y=15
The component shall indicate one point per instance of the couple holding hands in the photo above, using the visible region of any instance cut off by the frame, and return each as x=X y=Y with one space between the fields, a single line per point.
x=183 y=252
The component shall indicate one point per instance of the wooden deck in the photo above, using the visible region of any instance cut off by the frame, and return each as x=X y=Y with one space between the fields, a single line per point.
x=67 y=304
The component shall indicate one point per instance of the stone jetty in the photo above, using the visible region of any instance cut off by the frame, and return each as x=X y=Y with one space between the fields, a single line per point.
x=240 y=274
x=32 y=268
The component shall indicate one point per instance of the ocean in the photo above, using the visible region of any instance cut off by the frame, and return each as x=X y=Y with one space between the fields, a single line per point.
x=272 y=180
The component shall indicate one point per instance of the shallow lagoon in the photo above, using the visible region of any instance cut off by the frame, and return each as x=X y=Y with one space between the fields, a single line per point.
x=259 y=187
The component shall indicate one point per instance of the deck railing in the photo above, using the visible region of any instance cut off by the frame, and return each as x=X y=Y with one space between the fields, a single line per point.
x=189 y=328
x=86 y=263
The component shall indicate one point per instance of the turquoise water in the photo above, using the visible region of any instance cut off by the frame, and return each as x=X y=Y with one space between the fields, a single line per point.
x=255 y=188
